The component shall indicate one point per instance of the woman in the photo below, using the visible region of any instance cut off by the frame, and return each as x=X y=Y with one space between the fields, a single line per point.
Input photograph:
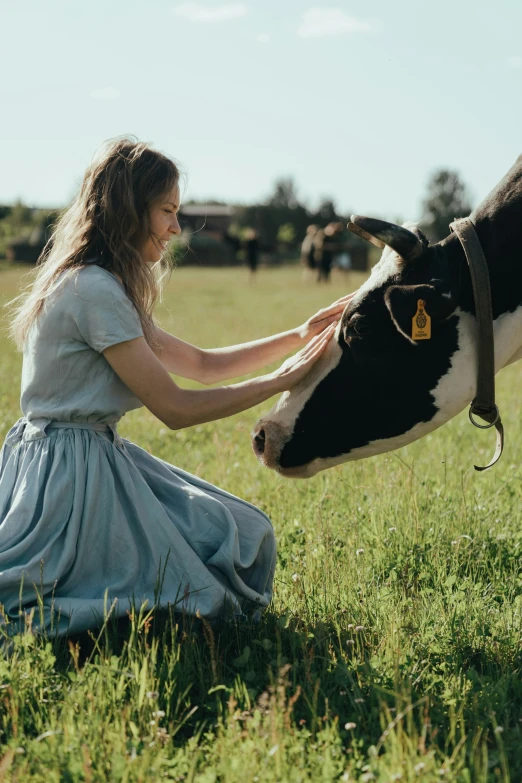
x=89 y=521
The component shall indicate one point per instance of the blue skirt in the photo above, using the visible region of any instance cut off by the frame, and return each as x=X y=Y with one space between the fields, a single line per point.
x=90 y=523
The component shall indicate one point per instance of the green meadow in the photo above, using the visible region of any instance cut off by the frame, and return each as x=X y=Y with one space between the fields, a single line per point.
x=392 y=649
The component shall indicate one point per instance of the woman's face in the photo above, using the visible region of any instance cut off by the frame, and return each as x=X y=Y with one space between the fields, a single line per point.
x=163 y=226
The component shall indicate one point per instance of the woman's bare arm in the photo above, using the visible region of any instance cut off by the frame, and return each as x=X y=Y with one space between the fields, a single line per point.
x=212 y=365
x=138 y=367
x=179 y=357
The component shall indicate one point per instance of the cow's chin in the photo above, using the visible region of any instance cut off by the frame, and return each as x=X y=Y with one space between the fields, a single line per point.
x=313 y=467
x=276 y=438
x=300 y=471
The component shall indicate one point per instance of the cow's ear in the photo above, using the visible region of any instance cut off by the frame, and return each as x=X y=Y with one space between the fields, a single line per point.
x=402 y=303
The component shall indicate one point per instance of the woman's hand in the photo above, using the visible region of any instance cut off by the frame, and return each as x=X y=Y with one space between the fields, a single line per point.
x=295 y=368
x=324 y=318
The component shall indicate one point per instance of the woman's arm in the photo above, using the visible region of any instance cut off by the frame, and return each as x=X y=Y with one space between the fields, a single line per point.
x=138 y=367
x=179 y=357
x=211 y=365
x=218 y=364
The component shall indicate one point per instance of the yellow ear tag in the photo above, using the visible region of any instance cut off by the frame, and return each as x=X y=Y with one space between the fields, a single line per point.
x=421 y=323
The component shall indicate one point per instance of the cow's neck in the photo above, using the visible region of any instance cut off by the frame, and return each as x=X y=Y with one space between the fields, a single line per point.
x=498 y=222
x=505 y=274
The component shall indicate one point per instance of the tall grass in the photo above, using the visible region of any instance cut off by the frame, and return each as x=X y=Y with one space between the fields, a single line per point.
x=392 y=650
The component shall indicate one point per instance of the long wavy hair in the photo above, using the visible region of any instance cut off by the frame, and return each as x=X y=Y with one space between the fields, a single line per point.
x=105 y=225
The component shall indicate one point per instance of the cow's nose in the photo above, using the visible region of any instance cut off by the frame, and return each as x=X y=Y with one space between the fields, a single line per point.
x=258 y=441
x=268 y=439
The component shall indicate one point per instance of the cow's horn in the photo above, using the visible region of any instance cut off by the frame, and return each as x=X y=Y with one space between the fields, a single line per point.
x=380 y=233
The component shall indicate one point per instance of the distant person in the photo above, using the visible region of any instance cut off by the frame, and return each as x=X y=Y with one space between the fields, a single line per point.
x=328 y=246
x=308 y=251
x=88 y=520
x=324 y=253
x=318 y=252
x=252 y=251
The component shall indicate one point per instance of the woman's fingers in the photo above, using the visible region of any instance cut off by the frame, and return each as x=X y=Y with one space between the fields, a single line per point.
x=298 y=366
x=319 y=341
x=335 y=309
x=325 y=315
x=311 y=346
x=315 y=349
x=324 y=323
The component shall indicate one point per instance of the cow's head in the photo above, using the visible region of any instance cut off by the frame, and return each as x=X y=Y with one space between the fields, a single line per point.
x=376 y=388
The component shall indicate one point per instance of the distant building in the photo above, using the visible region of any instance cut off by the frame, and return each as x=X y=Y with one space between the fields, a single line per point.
x=213 y=219
x=205 y=230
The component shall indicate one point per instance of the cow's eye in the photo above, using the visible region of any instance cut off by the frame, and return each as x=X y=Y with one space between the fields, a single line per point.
x=355 y=328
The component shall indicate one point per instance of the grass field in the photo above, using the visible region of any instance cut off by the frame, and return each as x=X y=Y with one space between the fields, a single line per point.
x=392 y=650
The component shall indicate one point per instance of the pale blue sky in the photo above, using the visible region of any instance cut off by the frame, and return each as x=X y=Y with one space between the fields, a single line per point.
x=357 y=101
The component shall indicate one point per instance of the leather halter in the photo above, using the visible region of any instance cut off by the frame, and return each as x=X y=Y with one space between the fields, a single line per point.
x=483 y=405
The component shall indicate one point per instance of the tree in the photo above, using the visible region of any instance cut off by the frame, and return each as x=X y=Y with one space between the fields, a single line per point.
x=326 y=213
x=17 y=221
x=286 y=234
x=280 y=220
x=447 y=199
x=284 y=195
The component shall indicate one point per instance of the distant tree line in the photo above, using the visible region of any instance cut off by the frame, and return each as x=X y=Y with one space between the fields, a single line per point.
x=280 y=220
x=446 y=199
x=20 y=223
x=283 y=219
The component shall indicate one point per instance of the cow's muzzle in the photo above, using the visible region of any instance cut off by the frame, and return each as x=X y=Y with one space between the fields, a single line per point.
x=268 y=441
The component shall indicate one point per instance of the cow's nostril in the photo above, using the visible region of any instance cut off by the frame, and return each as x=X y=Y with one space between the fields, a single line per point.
x=259 y=440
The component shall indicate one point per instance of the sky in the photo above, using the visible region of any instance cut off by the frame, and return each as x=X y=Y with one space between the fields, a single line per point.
x=360 y=102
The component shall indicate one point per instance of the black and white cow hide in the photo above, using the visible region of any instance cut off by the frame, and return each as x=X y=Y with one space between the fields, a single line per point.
x=375 y=389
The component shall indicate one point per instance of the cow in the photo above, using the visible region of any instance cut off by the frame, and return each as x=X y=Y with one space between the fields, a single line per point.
x=376 y=387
